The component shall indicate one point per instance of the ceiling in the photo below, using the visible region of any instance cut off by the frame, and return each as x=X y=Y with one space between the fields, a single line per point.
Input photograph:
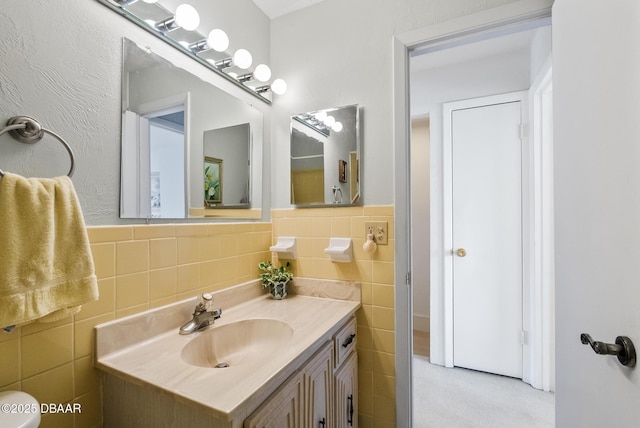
x=275 y=8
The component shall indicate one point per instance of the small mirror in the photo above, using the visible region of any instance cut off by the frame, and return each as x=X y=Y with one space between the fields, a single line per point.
x=226 y=167
x=189 y=149
x=325 y=157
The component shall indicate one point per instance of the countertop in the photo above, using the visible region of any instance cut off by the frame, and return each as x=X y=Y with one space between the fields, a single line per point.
x=135 y=349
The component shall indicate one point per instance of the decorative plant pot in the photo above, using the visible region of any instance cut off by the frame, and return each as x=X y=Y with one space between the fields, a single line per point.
x=279 y=290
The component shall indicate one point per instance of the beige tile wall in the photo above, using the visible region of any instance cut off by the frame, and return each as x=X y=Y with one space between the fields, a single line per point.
x=138 y=267
x=376 y=326
x=141 y=267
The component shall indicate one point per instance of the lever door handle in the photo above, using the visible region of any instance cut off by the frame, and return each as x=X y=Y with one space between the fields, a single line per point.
x=623 y=348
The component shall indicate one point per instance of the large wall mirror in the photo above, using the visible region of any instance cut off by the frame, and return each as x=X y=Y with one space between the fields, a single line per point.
x=189 y=149
x=326 y=157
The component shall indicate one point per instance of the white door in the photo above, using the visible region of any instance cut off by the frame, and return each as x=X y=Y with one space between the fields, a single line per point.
x=596 y=92
x=487 y=234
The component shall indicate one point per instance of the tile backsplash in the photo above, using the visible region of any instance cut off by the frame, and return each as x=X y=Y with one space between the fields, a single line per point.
x=138 y=268
x=312 y=228
x=145 y=266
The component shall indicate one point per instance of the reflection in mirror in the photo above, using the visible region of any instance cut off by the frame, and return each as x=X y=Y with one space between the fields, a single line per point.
x=325 y=157
x=172 y=120
x=230 y=145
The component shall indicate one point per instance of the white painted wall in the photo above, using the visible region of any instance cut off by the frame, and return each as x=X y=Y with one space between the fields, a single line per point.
x=420 y=224
x=70 y=81
x=338 y=53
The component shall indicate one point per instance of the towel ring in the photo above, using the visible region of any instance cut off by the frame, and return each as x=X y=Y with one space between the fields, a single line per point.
x=28 y=130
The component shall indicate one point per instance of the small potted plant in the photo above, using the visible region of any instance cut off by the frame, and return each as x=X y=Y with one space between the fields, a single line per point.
x=276 y=278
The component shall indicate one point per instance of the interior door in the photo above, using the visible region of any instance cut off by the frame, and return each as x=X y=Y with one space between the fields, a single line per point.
x=596 y=84
x=487 y=235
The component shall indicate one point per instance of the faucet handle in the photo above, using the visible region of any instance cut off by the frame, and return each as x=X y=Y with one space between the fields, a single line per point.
x=204 y=302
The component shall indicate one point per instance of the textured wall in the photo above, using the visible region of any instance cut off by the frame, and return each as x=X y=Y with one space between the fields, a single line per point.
x=337 y=53
x=61 y=65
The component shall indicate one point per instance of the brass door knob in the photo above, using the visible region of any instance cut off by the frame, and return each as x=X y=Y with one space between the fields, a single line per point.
x=461 y=252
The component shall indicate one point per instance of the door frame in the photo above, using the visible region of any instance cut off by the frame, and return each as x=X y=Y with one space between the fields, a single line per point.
x=446 y=319
x=173 y=104
x=542 y=255
x=402 y=44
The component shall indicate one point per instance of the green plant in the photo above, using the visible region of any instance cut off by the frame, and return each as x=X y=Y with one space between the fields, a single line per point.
x=272 y=275
x=211 y=184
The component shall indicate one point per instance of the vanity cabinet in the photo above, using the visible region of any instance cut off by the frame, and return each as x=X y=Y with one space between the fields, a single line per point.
x=346 y=393
x=346 y=377
x=323 y=393
x=318 y=389
x=283 y=409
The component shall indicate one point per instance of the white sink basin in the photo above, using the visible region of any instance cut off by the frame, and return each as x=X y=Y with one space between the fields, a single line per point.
x=238 y=343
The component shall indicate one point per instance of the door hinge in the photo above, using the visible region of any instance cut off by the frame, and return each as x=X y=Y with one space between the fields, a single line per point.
x=524 y=338
x=408 y=279
x=523 y=130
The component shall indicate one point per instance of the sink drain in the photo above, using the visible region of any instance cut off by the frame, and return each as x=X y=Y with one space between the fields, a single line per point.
x=222 y=365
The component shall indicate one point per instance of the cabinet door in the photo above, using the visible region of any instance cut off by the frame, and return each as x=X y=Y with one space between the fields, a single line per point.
x=346 y=387
x=282 y=409
x=318 y=389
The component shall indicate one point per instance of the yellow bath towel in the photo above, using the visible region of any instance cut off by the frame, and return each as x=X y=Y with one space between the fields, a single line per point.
x=46 y=267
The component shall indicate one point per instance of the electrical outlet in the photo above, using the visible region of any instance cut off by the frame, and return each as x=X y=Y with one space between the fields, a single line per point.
x=379 y=230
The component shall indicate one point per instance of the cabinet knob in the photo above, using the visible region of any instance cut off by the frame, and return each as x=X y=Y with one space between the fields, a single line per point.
x=348 y=340
x=461 y=252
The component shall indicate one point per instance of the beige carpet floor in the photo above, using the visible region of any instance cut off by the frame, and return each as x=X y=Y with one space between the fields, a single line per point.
x=461 y=398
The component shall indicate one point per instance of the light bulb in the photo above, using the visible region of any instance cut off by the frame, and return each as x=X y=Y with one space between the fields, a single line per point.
x=262 y=72
x=329 y=121
x=321 y=115
x=337 y=127
x=187 y=17
x=279 y=86
x=242 y=58
x=218 y=40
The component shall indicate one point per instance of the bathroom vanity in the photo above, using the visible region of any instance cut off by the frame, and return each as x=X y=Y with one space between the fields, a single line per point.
x=267 y=363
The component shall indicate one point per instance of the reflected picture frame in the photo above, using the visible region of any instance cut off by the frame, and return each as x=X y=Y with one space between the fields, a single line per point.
x=342 y=171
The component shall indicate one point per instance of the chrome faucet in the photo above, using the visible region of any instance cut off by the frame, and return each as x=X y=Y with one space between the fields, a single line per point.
x=202 y=316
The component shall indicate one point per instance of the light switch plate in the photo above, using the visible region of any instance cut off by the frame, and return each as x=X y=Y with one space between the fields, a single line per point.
x=379 y=229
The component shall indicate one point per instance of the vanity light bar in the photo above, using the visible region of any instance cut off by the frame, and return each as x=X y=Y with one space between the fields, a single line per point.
x=199 y=46
x=245 y=77
x=187 y=18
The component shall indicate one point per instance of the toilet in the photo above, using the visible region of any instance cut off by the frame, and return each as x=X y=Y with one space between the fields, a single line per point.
x=19 y=410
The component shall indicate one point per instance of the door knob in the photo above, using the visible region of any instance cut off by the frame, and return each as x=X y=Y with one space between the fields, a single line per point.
x=461 y=252
x=623 y=348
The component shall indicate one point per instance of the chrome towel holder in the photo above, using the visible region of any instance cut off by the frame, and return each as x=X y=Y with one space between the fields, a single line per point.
x=28 y=130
